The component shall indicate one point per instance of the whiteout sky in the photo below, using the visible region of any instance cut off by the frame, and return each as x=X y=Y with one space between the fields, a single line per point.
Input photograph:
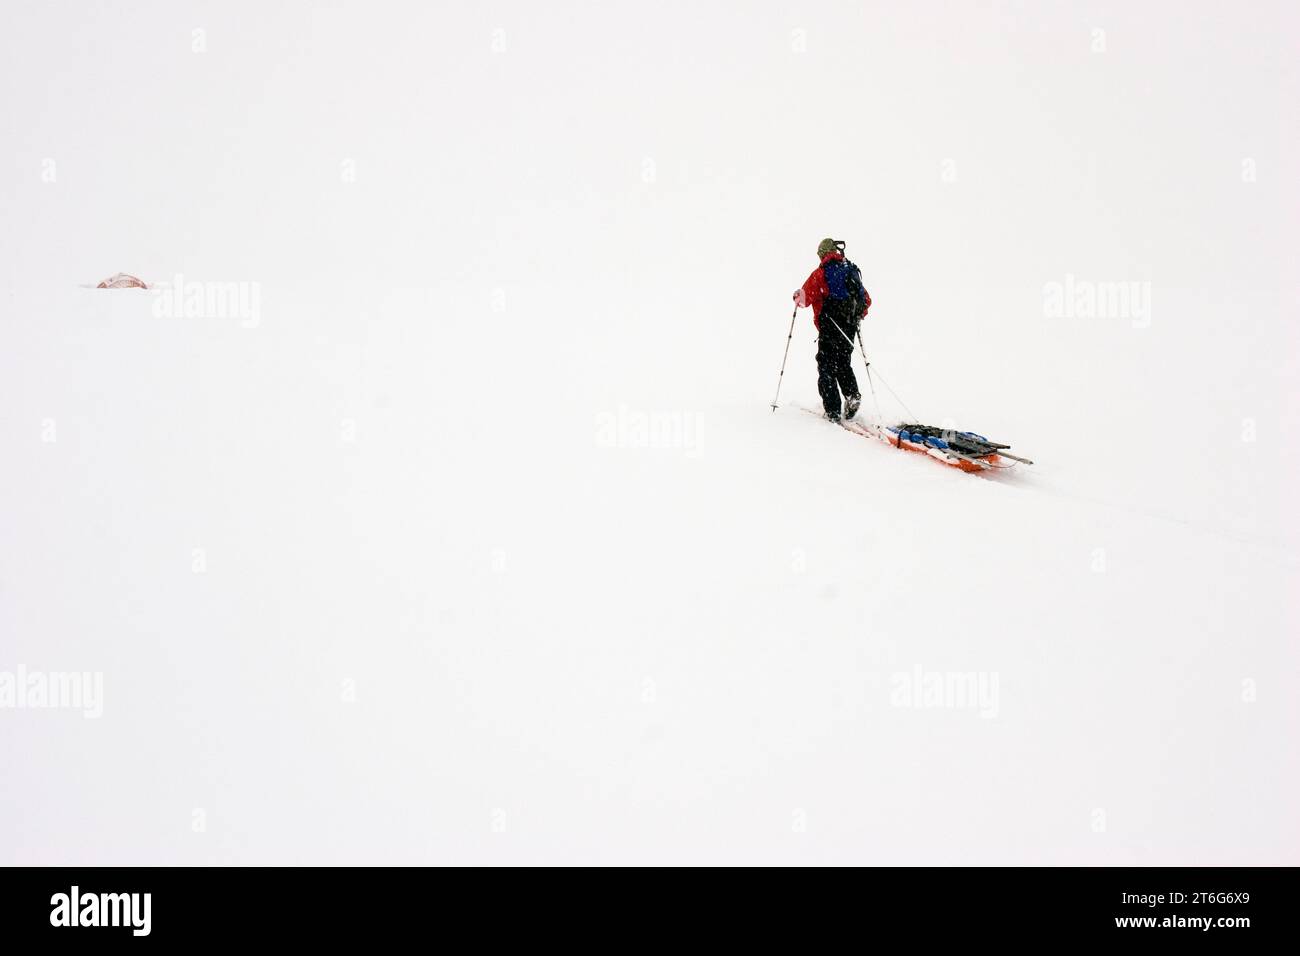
x=389 y=571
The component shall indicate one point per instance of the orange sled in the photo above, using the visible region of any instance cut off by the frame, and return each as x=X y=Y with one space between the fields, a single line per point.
x=965 y=450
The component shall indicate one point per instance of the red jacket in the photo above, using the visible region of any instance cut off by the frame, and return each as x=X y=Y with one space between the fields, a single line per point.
x=814 y=291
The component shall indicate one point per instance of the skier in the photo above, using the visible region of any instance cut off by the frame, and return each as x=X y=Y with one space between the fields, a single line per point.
x=837 y=296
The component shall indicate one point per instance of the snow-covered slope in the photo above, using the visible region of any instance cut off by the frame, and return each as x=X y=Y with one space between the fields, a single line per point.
x=474 y=539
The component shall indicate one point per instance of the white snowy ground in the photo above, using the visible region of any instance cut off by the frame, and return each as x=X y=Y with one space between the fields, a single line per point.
x=388 y=572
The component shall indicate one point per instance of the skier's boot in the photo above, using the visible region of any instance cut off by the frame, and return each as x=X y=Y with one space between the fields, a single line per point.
x=833 y=417
x=851 y=406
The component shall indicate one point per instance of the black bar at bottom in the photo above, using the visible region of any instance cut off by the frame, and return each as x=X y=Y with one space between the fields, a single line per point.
x=339 y=906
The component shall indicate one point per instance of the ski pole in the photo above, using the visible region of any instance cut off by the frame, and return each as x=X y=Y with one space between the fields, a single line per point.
x=870 y=384
x=781 y=377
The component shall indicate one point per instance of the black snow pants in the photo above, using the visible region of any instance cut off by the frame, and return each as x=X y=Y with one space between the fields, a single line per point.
x=835 y=355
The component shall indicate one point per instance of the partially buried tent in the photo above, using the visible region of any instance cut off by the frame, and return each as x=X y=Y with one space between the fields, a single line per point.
x=122 y=281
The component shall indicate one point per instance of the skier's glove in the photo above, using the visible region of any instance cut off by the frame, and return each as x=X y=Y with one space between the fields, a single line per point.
x=800 y=299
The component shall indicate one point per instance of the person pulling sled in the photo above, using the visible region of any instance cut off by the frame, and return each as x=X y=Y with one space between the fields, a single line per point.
x=839 y=302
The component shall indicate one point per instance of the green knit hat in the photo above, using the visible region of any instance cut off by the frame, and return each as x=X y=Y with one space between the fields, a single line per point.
x=827 y=246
